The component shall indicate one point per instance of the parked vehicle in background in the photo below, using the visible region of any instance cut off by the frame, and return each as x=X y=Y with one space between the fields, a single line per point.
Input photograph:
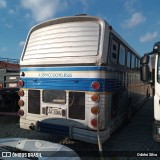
x=150 y=74
x=9 y=77
x=79 y=78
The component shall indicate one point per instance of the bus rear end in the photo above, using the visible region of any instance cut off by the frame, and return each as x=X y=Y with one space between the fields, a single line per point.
x=62 y=81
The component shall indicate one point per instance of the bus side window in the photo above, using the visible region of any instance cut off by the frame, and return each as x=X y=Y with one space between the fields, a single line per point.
x=122 y=55
x=114 y=51
x=133 y=61
x=128 y=59
x=138 y=63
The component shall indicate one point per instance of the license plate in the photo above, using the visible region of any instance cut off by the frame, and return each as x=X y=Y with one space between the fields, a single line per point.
x=12 y=85
x=54 y=111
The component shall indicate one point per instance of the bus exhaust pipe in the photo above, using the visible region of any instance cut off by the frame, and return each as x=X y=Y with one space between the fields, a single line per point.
x=32 y=126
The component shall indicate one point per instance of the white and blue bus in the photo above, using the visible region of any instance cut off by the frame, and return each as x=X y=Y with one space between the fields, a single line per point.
x=78 y=77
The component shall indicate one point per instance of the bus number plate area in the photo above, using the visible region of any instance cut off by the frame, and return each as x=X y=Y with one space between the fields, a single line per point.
x=54 y=111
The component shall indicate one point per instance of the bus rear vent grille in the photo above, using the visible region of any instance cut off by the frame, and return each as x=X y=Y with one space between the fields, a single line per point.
x=34 y=101
x=77 y=105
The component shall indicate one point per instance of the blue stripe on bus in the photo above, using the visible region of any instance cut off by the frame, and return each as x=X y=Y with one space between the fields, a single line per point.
x=78 y=84
x=88 y=68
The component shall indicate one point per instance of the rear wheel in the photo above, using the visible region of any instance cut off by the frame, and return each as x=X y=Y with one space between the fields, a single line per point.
x=156 y=126
x=156 y=138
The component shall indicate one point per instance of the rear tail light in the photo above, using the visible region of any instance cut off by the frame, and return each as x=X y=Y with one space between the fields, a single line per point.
x=21 y=93
x=21 y=102
x=95 y=110
x=95 y=85
x=1 y=86
x=94 y=122
x=20 y=83
x=95 y=97
x=20 y=112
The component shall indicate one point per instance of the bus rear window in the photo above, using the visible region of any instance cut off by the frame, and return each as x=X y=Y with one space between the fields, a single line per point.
x=71 y=39
x=54 y=96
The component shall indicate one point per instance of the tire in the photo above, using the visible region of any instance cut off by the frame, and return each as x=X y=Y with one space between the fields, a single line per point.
x=156 y=125
x=156 y=138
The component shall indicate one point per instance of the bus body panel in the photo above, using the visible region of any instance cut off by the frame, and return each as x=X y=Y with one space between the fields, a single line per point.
x=62 y=61
x=157 y=93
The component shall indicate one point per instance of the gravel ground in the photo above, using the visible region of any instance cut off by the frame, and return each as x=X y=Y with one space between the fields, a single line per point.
x=134 y=136
x=10 y=129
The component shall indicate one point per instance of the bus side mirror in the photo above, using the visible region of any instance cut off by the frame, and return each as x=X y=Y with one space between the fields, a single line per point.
x=145 y=59
x=144 y=70
x=156 y=48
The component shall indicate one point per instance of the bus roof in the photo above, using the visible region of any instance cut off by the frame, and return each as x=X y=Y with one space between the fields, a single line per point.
x=85 y=18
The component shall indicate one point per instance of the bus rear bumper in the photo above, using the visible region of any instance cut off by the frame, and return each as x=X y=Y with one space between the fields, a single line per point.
x=90 y=136
x=72 y=132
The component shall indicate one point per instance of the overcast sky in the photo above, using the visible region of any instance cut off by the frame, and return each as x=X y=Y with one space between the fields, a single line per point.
x=137 y=21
